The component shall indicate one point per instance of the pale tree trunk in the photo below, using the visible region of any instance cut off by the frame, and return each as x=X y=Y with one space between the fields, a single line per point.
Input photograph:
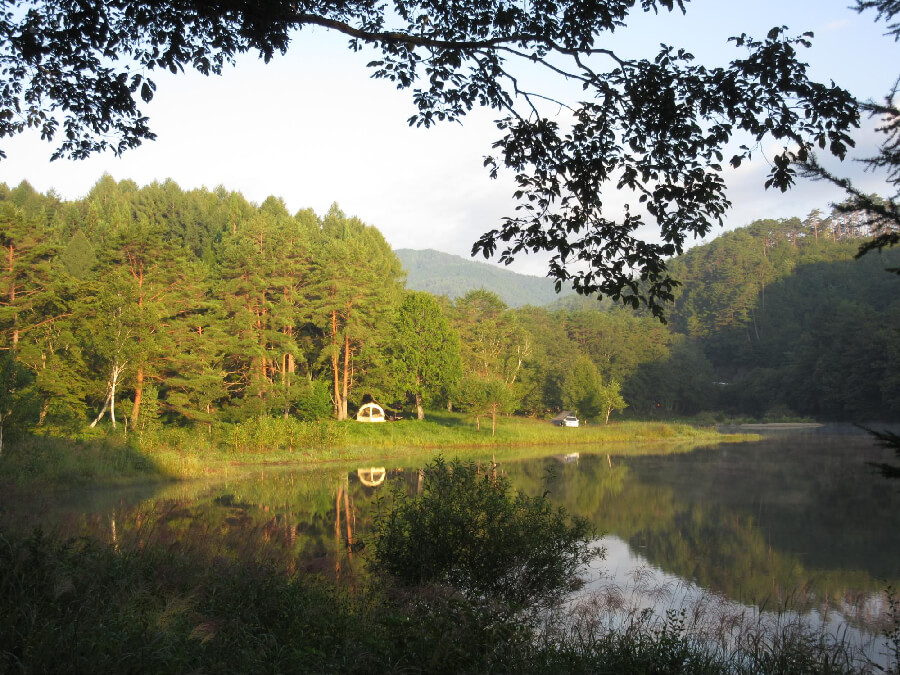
x=493 y=421
x=102 y=410
x=420 y=411
x=523 y=351
x=110 y=401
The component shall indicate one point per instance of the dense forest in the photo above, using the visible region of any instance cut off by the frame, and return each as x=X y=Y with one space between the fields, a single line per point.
x=154 y=306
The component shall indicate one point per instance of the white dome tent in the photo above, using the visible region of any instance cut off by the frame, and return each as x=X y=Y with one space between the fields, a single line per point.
x=370 y=412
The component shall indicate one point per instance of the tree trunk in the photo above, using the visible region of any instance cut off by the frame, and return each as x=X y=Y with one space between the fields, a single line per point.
x=346 y=392
x=112 y=396
x=139 y=376
x=102 y=411
x=12 y=296
x=110 y=401
x=493 y=421
x=138 y=395
x=420 y=412
x=335 y=368
x=338 y=403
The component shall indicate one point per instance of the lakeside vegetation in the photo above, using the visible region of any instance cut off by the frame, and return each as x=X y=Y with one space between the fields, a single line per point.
x=152 y=307
x=179 y=454
x=83 y=606
x=236 y=335
x=170 y=328
x=161 y=602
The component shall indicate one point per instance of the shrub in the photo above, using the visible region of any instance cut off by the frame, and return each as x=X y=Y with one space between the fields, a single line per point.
x=467 y=529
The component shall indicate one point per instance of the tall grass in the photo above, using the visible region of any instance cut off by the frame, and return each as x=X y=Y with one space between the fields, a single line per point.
x=707 y=632
x=453 y=430
x=53 y=461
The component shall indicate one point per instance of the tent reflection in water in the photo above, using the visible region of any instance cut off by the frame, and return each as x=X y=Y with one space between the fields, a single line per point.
x=372 y=477
x=370 y=412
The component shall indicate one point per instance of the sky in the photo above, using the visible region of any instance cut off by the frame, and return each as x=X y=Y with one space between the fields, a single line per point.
x=313 y=128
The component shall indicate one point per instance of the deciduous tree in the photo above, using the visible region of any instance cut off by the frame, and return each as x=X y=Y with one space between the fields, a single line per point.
x=582 y=388
x=611 y=398
x=425 y=352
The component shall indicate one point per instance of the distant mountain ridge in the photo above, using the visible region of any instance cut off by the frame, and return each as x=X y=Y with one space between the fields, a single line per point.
x=454 y=276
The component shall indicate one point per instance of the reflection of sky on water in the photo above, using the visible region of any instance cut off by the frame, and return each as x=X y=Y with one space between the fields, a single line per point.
x=623 y=584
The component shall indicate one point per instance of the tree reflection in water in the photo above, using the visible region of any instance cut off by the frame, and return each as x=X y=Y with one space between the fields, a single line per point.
x=797 y=522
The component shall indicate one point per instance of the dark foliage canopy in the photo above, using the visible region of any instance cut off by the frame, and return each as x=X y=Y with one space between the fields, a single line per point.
x=659 y=128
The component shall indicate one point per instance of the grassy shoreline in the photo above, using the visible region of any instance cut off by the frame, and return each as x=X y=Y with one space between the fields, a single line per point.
x=179 y=454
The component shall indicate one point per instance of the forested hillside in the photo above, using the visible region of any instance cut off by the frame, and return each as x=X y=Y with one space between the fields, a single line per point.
x=791 y=322
x=198 y=308
x=444 y=274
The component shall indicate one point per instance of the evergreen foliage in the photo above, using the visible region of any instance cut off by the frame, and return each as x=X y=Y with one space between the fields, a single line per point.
x=176 y=308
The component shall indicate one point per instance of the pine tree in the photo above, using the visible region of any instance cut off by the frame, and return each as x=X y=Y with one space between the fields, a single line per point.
x=352 y=300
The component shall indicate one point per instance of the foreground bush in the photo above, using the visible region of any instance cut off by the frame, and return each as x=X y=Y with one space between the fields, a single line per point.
x=468 y=530
x=79 y=607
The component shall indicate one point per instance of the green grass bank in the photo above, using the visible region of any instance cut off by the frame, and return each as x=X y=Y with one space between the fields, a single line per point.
x=108 y=457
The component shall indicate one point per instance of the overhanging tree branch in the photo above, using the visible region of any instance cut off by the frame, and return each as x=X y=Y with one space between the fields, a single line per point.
x=653 y=129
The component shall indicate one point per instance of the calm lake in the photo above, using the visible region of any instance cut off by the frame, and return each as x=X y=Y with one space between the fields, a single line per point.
x=799 y=522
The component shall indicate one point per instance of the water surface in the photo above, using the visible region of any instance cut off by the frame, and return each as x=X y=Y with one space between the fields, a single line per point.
x=800 y=521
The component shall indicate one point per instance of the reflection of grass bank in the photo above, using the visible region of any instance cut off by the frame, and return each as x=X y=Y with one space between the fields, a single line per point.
x=174 y=453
